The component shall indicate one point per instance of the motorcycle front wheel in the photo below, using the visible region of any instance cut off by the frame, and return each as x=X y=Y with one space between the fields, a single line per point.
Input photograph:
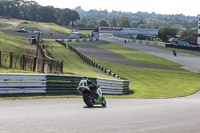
x=89 y=102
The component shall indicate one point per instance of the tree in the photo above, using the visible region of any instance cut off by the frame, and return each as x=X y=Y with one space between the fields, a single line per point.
x=123 y=21
x=103 y=23
x=192 y=32
x=168 y=32
x=74 y=17
x=139 y=22
x=113 y=22
x=142 y=26
x=31 y=10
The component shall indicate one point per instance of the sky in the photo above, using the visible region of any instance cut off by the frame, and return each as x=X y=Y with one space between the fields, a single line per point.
x=186 y=7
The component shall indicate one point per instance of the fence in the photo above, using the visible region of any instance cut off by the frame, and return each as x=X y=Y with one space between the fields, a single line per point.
x=78 y=40
x=140 y=41
x=30 y=63
x=55 y=84
x=183 y=47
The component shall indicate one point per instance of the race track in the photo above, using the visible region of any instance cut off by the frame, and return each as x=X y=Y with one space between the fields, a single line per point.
x=70 y=115
x=190 y=62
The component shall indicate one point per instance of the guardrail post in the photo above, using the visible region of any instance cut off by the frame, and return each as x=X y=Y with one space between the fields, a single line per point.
x=11 y=59
x=0 y=58
x=34 y=64
x=51 y=69
x=43 y=65
x=23 y=62
x=61 y=67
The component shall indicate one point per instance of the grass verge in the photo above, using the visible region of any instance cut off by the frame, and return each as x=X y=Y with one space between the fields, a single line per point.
x=3 y=25
x=138 y=55
x=32 y=24
x=59 y=28
x=15 y=71
x=155 y=83
x=11 y=43
x=32 y=96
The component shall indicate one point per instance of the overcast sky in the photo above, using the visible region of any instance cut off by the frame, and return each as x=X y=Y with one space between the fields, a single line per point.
x=186 y=7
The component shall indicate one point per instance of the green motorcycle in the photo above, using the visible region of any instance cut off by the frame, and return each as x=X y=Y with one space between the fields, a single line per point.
x=90 y=98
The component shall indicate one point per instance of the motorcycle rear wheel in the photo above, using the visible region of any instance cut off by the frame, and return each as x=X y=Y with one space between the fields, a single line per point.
x=89 y=102
x=103 y=102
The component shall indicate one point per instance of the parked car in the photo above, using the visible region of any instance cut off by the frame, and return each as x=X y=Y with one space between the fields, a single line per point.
x=30 y=30
x=182 y=43
x=38 y=31
x=22 y=30
x=76 y=35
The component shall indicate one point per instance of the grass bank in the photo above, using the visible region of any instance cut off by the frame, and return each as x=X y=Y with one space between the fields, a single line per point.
x=73 y=64
x=3 y=25
x=15 y=71
x=11 y=43
x=59 y=28
x=68 y=30
x=155 y=83
x=32 y=24
x=136 y=55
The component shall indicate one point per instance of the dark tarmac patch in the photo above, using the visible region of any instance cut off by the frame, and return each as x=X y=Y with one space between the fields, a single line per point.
x=92 y=51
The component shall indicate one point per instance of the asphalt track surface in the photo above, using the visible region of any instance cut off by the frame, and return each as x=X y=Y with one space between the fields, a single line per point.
x=70 y=115
x=189 y=62
x=91 y=50
x=47 y=33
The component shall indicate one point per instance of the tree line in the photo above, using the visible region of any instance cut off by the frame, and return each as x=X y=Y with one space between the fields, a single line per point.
x=31 y=10
x=168 y=25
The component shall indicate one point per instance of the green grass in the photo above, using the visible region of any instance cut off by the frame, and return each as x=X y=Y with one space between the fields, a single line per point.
x=3 y=25
x=59 y=28
x=31 y=96
x=155 y=83
x=11 y=43
x=67 y=30
x=136 y=55
x=85 y=32
x=32 y=24
x=177 y=50
x=73 y=64
x=15 y=71
x=54 y=27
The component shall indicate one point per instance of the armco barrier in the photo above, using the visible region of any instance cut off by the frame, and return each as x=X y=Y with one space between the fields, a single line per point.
x=55 y=84
x=183 y=47
x=90 y=61
x=140 y=41
x=78 y=40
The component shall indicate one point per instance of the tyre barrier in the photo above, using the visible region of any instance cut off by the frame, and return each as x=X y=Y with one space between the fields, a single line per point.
x=17 y=83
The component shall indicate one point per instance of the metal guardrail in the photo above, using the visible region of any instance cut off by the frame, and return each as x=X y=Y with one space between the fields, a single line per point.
x=30 y=63
x=140 y=41
x=55 y=84
x=95 y=64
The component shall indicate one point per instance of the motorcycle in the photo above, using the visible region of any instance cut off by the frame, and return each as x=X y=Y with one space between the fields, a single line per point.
x=90 y=98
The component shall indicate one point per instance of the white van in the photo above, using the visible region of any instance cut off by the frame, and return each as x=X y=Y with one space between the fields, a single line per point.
x=76 y=35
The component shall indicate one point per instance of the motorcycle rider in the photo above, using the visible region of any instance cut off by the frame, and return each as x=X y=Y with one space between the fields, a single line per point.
x=92 y=85
x=174 y=52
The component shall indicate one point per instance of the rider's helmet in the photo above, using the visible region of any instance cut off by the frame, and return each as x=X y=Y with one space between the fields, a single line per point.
x=85 y=78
